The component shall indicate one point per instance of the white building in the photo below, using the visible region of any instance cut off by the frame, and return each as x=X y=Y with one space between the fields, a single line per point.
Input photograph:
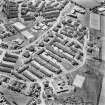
x=78 y=81
x=95 y=21
x=19 y=26
x=27 y=35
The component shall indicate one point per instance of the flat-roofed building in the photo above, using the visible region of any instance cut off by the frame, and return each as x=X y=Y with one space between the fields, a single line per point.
x=95 y=21
x=28 y=36
x=19 y=26
x=78 y=81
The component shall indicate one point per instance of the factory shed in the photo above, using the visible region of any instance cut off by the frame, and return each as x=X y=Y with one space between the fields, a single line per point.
x=95 y=21
x=19 y=26
x=28 y=35
x=78 y=81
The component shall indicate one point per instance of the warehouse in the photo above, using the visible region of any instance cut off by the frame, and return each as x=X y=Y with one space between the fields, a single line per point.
x=19 y=26
x=28 y=36
x=78 y=81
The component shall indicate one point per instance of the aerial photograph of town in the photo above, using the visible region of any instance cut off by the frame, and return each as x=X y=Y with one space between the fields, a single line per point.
x=52 y=52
